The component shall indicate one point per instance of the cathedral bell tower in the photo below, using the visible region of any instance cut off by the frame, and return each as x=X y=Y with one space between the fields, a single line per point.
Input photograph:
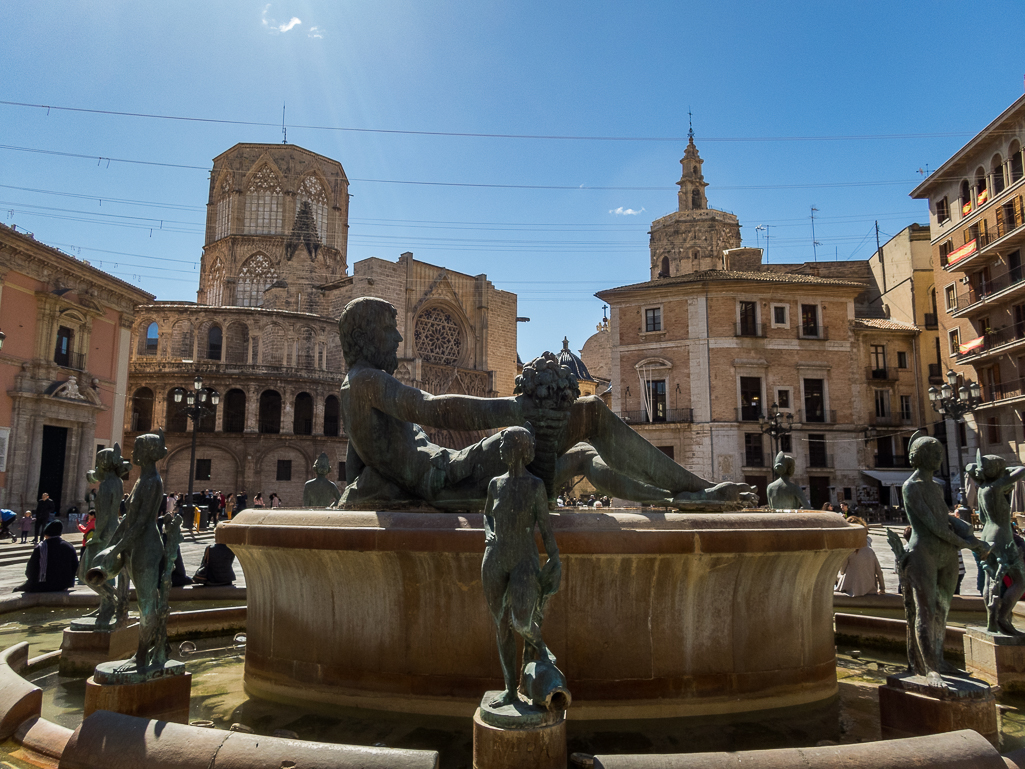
x=692 y=238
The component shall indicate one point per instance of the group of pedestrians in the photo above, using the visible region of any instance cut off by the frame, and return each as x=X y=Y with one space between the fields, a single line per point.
x=565 y=500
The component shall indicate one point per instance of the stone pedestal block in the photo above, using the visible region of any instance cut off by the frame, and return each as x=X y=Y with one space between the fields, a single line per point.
x=996 y=658
x=518 y=737
x=83 y=650
x=165 y=698
x=909 y=707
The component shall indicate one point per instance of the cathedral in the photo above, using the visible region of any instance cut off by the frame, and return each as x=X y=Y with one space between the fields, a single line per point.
x=273 y=281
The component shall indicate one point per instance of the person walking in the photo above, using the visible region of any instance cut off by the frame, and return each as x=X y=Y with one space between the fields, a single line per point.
x=258 y=500
x=44 y=510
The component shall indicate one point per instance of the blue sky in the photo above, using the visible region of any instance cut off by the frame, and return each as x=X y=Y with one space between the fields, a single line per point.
x=765 y=82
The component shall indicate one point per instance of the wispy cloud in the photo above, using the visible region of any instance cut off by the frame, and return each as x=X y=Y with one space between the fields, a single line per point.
x=272 y=25
x=626 y=211
x=315 y=32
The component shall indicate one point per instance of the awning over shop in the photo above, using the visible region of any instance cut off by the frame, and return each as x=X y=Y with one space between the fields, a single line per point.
x=889 y=477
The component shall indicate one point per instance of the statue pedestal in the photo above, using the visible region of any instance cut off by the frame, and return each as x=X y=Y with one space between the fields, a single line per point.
x=161 y=694
x=996 y=658
x=909 y=707
x=82 y=650
x=518 y=736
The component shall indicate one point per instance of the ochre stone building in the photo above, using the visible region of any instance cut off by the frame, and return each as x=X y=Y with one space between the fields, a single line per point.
x=273 y=283
x=976 y=204
x=63 y=369
x=699 y=354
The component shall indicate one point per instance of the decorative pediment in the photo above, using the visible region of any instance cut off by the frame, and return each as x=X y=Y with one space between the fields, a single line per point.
x=69 y=390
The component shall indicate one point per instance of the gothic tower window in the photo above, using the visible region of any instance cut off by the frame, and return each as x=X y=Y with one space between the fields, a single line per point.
x=665 y=266
x=254 y=278
x=223 y=226
x=264 y=204
x=695 y=199
x=438 y=336
x=312 y=192
x=215 y=284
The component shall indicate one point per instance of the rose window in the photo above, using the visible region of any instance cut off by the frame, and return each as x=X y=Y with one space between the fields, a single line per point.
x=438 y=337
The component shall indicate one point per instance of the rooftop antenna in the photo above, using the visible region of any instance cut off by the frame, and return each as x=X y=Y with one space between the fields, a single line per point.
x=814 y=243
x=284 y=131
x=764 y=227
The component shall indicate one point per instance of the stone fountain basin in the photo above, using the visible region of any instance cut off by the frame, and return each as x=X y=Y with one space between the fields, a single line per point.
x=660 y=615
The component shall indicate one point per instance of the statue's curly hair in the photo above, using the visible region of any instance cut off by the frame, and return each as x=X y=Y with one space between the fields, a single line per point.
x=362 y=315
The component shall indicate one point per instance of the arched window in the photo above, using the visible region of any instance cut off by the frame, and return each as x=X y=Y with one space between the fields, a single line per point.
x=272 y=344
x=149 y=342
x=264 y=204
x=176 y=421
x=215 y=284
x=1015 y=161
x=302 y=424
x=234 y=411
x=142 y=410
x=331 y=416
x=997 y=168
x=182 y=340
x=307 y=348
x=438 y=336
x=966 y=197
x=665 y=267
x=208 y=421
x=270 y=411
x=237 y=343
x=312 y=191
x=223 y=226
x=695 y=199
x=213 y=343
x=980 y=185
x=254 y=278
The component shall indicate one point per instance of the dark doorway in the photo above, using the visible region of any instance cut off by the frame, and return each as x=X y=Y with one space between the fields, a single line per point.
x=51 y=471
x=302 y=422
x=759 y=482
x=818 y=490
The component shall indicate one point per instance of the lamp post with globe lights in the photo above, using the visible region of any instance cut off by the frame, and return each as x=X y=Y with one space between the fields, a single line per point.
x=195 y=408
x=953 y=402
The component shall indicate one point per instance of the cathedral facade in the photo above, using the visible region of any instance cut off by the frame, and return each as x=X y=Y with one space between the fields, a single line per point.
x=273 y=281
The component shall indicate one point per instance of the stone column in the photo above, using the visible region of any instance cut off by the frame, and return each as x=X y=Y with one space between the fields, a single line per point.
x=35 y=460
x=252 y=409
x=318 y=412
x=219 y=416
x=287 y=410
x=86 y=461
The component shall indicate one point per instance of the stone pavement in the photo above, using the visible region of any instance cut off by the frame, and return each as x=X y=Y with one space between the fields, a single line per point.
x=886 y=561
x=14 y=557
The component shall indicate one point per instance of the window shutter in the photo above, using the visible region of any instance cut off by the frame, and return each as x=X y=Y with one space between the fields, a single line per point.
x=967 y=234
x=982 y=232
x=1017 y=211
x=1000 y=222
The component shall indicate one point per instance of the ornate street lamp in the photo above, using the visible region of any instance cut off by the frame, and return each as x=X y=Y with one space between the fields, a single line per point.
x=954 y=404
x=195 y=408
x=774 y=427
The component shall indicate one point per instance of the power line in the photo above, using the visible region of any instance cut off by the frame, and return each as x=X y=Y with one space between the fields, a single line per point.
x=480 y=185
x=476 y=135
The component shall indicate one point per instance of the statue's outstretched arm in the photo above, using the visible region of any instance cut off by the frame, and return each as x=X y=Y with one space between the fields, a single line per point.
x=913 y=499
x=453 y=412
x=624 y=448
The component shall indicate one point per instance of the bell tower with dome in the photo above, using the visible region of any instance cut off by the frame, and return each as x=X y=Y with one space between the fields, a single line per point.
x=692 y=238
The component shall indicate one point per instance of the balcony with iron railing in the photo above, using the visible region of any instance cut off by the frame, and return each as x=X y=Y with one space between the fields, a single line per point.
x=71 y=360
x=820 y=333
x=931 y=322
x=1003 y=286
x=754 y=457
x=889 y=420
x=935 y=374
x=1001 y=392
x=669 y=416
x=885 y=374
x=749 y=329
x=887 y=461
x=995 y=342
x=749 y=413
x=817 y=416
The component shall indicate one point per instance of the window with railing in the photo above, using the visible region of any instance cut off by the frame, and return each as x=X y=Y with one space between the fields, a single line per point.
x=810 y=320
x=814 y=400
x=942 y=210
x=748 y=325
x=750 y=398
x=817 y=456
x=753 y=454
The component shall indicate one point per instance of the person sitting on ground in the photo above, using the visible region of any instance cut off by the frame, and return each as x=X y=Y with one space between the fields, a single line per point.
x=52 y=565
x=215 y=570
x=861 y=573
